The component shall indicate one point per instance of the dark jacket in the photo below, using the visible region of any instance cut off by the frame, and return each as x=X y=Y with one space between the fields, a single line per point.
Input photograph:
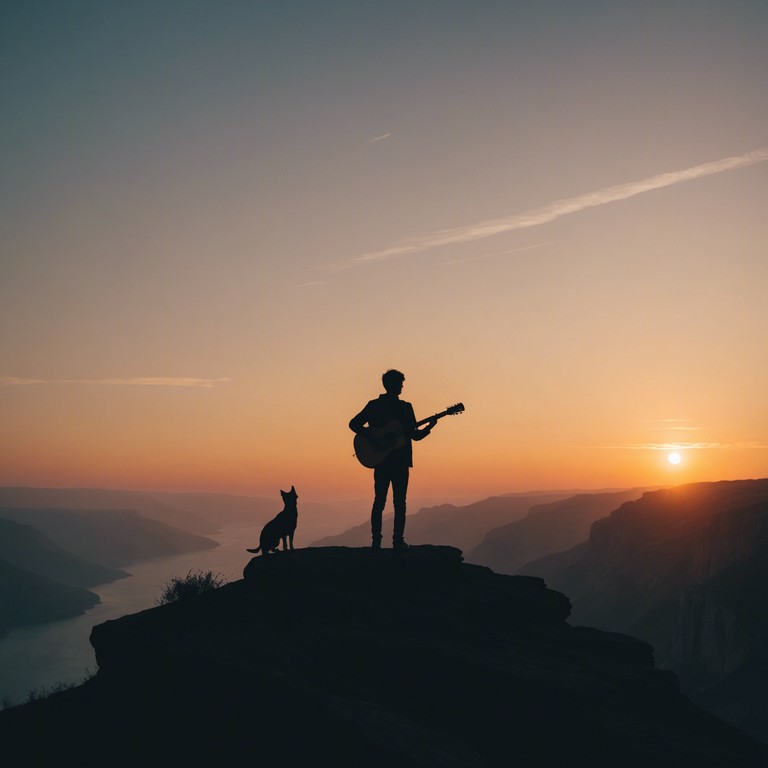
x=380 y=412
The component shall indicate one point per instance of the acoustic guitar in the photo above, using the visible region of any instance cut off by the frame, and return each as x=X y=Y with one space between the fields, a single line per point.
x=374 y=445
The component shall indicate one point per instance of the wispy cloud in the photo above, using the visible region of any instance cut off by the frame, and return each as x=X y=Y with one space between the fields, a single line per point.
x=664 y=421
x=496 y=253
x=538 y=216
x=309 y=283
x=136 y=381
x=379 y=138
x=159 y=382
x=680 y=446
x=671 y=425
x=11 y=381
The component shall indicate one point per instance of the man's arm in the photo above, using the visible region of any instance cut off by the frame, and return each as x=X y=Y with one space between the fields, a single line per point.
x=416 y=433
x=357 y=423
x=420 y=434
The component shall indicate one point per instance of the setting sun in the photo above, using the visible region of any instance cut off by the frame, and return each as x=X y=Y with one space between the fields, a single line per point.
x=674 y=458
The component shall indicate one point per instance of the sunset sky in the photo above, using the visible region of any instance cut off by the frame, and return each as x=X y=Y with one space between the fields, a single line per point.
x=220 y=222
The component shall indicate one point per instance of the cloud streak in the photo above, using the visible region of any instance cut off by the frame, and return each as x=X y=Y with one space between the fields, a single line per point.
x=543 y=215
x=309 y=284
x=700 y=446
x=670 y=425
x=496 y=253
x=136 y=381
x=379 y=138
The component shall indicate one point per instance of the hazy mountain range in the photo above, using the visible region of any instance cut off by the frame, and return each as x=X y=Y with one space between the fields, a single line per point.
x=28 y=598
x=108 y=537
x=26 y=547
x=201 y=513
x=462 y=527
x=40 y=580
x=50 y=554
x=99 y=498
x=548 y=527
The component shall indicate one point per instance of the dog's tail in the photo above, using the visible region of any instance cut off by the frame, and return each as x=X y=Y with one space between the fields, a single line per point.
x=258 y=549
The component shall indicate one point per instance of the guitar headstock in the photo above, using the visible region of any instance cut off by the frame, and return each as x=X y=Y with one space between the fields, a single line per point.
x=452 y=410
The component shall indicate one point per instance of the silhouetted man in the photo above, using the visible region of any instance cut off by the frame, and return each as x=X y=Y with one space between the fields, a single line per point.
x=388 y=413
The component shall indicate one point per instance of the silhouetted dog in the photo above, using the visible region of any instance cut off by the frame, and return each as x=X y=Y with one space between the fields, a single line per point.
x=280 y=527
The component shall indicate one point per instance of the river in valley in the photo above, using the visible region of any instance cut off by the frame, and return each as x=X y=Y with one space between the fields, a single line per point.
x=39 y=657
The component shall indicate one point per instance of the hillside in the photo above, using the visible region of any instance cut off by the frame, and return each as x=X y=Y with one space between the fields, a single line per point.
x=110 y=538
x=546 y=528
x=28 y=549
x=347 y=658
x=683 y=568
x=462 y=527
x=28 y=598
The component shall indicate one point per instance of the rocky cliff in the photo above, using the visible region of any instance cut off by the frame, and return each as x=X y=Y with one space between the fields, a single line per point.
x=348 y=657
x=685 y=569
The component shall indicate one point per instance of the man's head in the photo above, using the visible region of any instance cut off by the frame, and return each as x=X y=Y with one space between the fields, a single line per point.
x=393 y=381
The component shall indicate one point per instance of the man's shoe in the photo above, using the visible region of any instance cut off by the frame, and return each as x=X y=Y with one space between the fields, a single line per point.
x=399 y=544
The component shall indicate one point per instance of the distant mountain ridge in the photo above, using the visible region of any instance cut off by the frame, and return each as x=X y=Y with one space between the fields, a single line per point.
x=195 y=512
x=221 y=508
x=225 y=509
x=25 y=547
x=49 y=555
x=101 y=498
x=547 y=528
x=109 y=537
x=462 y=526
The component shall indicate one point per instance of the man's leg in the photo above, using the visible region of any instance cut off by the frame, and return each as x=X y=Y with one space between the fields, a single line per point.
x=381 y=482
x=399 y=491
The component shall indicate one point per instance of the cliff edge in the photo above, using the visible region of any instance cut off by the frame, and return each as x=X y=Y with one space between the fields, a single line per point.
x=352 y=657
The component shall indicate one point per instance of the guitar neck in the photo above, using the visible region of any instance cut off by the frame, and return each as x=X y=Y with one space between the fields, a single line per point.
x=429 y=418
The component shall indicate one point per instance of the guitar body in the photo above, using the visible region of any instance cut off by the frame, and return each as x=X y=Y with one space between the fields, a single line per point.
x=373 y=447
x=375 y=444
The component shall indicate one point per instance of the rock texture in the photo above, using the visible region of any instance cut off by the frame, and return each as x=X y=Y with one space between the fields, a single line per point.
x=685 y=569
x=348 y=657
